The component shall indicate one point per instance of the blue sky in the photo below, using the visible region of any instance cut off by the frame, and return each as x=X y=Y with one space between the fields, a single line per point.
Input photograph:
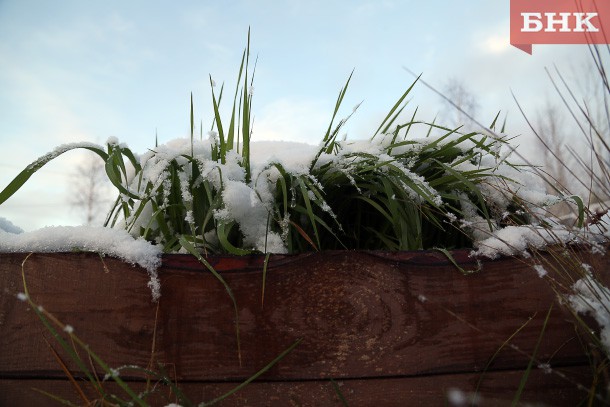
x=84 y=71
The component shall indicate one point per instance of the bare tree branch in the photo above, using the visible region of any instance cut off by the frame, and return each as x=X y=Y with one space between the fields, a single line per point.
x=90 y=190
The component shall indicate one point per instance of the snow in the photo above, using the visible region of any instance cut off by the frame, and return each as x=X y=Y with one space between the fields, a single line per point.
x=59 y=150
x=516 y=240
x=457 y=398
x=539 y=268
x=242 y=205
x=591 y=297
x=604 y=224
x=546 y=368
x=106 y=241
x=294 y=157
x=246 y=204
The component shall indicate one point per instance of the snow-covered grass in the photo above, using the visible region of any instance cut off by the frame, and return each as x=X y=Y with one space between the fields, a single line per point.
x=378 y=194
x=392 y=192
x=412 y=185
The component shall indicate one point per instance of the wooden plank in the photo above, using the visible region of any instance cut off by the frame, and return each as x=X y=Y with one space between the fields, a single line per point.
x=496 y=389
x=359 y=315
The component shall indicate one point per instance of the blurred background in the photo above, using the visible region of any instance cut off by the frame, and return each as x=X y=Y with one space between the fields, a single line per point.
x=75 y=71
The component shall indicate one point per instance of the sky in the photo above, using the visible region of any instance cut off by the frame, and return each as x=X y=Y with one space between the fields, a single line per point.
x=85 y=71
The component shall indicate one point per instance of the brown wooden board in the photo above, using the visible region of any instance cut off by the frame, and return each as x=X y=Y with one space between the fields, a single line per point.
x=360 y=315
x=496 y=389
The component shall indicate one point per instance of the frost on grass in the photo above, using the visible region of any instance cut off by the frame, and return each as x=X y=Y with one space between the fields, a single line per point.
x=546 y=368
x=539 y=268
x=591 y=297
x=59 y=150
x=113 y=242
x=113 y=374
x=516 y=240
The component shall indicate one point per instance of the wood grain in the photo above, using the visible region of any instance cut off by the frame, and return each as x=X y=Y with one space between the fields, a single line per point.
x=497 y=389
x=360 y=315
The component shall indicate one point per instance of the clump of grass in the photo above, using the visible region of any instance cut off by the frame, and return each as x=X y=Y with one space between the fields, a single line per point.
x=395 y=191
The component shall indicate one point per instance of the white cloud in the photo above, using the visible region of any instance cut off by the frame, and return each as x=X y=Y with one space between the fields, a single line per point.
x=292 y=120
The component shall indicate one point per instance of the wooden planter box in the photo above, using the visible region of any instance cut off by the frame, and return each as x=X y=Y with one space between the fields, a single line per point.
x=389 y=329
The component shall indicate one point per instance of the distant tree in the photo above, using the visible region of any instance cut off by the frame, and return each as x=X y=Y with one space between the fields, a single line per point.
x=573 y=136
x=461 y=105
x=90 y=190
x=550 y=127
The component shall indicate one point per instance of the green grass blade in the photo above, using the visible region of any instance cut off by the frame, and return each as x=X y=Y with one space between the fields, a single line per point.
x=191 y=249
x=328 y=138
x=24 y=175
x=339 y=393
x=231 y=133
x=256 y=375
x=245 y=117
x=493 y=357
x=48 y=321
x=450 y=257
x=223 y=230
x=192 y=124
x=265 y=264
x=218 y=121
x=472 y=188
x=581 y=209
x=338 y=103
x=392 y=114
x=309 y=209
x=114 y=176
x=55 y=398
x=530 y=365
